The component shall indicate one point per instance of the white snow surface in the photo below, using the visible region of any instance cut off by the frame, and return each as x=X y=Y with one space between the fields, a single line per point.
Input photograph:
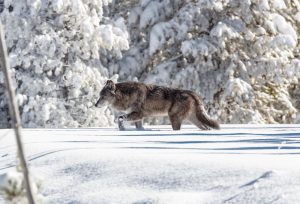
x=237 y=164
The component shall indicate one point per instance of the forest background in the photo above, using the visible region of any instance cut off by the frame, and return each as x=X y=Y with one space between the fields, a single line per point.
x=241 y=56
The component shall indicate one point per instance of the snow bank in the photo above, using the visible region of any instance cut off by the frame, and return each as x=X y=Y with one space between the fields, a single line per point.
x=237 y=164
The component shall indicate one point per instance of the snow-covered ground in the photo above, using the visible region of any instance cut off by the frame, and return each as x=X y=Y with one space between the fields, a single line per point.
x=238 y=164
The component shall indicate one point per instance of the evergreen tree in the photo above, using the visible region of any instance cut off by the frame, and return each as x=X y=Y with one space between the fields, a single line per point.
x=56 y=49
x=241 y=56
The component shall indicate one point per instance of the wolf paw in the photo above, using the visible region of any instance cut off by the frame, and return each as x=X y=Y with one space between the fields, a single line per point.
x=121 y=128
x=122 y=118
x=121 y=123
x=140 y=128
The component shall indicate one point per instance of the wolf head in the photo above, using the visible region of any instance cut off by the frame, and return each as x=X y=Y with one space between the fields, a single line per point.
x=107 y=94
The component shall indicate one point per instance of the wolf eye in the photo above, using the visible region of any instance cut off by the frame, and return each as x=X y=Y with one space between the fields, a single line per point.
x=107 y=93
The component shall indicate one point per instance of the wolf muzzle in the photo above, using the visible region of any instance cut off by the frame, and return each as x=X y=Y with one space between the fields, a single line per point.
x=98 y=104
x=101 y=103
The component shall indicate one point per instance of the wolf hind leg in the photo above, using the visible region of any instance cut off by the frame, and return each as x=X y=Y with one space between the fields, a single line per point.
x=179 y=112
x=175 y=122
x=176 y=119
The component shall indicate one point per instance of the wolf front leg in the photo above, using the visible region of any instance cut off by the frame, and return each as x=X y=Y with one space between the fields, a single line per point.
x=139 y=125
x=121 y=123
x=133 y=116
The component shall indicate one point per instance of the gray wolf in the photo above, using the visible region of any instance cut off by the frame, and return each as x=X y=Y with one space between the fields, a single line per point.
x=140 y=100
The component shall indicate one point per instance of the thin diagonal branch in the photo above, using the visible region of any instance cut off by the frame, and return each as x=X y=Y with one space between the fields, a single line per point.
x=14 y=112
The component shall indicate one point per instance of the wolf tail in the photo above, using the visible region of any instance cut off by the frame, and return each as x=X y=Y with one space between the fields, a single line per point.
x=202 y=116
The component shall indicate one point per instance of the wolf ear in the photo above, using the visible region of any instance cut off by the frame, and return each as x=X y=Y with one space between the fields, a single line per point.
x=110 y=85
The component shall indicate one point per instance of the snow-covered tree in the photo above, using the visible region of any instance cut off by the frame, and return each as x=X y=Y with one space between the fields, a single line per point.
x=57 y=49
x=242 y=56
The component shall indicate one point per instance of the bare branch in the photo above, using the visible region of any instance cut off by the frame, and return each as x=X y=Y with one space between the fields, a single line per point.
x=14 y=112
